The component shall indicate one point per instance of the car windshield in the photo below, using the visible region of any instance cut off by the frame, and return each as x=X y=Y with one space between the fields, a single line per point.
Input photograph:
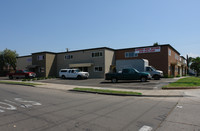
x=136 y=71
x=77 y=70
x=153 y=68
x=26 y=71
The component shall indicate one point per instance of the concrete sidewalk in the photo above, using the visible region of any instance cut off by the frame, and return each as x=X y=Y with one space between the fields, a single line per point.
x=145 y=93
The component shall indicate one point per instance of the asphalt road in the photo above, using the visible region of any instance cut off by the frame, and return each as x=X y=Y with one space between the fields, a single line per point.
x=24 y=108
x=149 y=85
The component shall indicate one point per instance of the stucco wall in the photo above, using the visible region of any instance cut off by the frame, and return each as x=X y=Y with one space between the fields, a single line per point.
x=83 y=57
x=50 y=64
x=109 y=59
x=23 y=62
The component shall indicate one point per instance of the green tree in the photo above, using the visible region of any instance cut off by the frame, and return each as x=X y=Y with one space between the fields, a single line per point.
x=8 y=57
x=189 y=61
x=196 y=65
x=2 y=62
x=155 y=44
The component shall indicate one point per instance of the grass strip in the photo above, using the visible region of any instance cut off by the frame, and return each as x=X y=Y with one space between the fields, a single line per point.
x=185 y=82
x=103 y=91
x=19 y=83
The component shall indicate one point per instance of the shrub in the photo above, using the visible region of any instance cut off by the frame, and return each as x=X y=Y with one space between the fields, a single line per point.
x=23 y=79
x=167 y=76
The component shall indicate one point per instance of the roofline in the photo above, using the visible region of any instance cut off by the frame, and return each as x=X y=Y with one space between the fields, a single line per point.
x=87 y=50
x=183 y=57
x=24 y=56
x=47 y=52
x=97 y=49
x=148 y=47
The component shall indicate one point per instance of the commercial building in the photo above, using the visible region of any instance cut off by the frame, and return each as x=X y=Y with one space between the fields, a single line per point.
x=162 y=57
x=98 y=61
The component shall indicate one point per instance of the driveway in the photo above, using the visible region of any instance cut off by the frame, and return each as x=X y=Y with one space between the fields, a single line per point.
x=149 y=85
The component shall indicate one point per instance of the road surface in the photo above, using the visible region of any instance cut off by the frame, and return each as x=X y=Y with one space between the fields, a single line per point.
x=25 y=108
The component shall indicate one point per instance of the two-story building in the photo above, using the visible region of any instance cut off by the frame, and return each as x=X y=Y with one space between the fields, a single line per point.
x=98 y=61
x=162 y=57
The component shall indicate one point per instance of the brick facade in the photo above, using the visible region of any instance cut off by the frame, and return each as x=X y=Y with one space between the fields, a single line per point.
x=166 y=58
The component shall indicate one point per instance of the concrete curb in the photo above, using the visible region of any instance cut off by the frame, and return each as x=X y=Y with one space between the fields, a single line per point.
x=179 y=88
x=116 y=94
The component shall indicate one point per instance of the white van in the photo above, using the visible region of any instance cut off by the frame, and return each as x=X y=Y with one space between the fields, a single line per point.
x=73 y=73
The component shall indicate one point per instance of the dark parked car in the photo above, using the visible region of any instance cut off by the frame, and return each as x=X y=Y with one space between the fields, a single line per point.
x=128 y=74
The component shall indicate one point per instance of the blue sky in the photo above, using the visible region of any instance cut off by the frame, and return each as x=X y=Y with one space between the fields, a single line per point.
x=29 y=26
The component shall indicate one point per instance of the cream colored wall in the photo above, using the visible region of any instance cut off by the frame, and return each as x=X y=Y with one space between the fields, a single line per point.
x=110 y=60
x=50 y=64
x=23 y=62
x=83 y=57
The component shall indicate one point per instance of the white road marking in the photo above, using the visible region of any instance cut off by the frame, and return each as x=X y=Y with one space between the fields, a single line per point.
x=25 y=101
x=1 y=111
x=146 y=128
x=179 y=106
x=10 y=101
x=19 y=101
x=10 y=107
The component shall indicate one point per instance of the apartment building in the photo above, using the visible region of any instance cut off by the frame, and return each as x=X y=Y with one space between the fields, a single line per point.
x=98 y=61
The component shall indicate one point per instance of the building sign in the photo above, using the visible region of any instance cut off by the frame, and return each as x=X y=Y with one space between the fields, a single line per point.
x=148 y=50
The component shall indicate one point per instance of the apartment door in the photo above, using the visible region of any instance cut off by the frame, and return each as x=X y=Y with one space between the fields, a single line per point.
x=173 y=70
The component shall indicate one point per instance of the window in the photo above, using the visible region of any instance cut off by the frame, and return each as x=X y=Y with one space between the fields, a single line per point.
x=98 y=69
x=169 y=68
x=170 y=52
x=41 y=69
x=19 y=71
x=97 y=54
x=148 y=69
x=29 y=60
x=63 y=71
x=184 y=61
x=40 y=57
x=176 y=57
x=126 y=71
x=68 y=57
x=130 y=54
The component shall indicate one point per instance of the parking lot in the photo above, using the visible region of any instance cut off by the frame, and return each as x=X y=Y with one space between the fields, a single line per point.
x=149 y=85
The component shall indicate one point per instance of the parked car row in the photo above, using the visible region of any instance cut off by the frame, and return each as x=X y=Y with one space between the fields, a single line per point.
x=124 y=74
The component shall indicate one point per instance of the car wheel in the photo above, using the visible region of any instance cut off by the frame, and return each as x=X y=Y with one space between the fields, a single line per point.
x=114 y=80
x=143 y=79
x=63 y=77
x=10 y=77
x=26 y=76
x=79 y=77
x=156 y=77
